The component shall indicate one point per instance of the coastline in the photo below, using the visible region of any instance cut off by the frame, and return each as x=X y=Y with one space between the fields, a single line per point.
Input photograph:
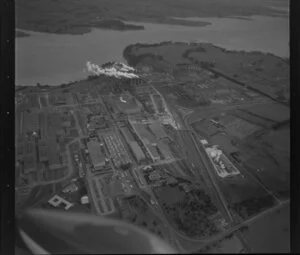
x=79 y=17
x=111 y=24
x=131 y=59
x=118 y=47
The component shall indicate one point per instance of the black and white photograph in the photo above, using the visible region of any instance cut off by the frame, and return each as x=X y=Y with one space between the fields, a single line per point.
x=152 y=126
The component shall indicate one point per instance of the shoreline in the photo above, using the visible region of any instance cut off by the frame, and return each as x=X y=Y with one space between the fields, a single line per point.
x=106 y=24
x=123 y=24
x=130 y=58
x=133 y=60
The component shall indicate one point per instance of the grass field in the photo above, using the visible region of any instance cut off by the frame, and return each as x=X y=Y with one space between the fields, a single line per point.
x=279 y=140
x=224 y=142
x=241 y=129
x=205 y=128
x=265 y=72
x=277 y=180
x=271 y=233
x=231 y=244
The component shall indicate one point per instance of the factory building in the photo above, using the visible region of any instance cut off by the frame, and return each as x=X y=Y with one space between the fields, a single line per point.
x=137 y=151
x=147 y=139
x=223 y=165
x=153 y=152
x=158 y=130
x=127 y=134
x=96 y=154
x=165 y=150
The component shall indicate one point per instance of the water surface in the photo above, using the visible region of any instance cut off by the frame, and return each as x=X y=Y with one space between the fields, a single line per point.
x=54 y=59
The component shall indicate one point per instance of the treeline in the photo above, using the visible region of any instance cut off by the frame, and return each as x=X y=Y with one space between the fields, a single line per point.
x=116 y=25
x=134 y=60
x=253 y=206
x=131 y=57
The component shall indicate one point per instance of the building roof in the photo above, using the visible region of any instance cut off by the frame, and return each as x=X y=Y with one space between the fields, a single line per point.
x=153 y=151
x=128 y=136
x=144 y=133
x=158 y=130
x=139 y=154
x=165 y=150
x=96 y=153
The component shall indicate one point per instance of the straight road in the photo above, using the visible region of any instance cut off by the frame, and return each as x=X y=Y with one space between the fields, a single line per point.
x=199 y=158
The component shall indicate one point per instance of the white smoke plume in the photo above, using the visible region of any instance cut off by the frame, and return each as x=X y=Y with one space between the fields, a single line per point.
x=117 y=70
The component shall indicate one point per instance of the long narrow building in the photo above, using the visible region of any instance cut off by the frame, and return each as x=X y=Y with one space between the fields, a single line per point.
x=147 y=139
x=98 y=159
x=136 y=149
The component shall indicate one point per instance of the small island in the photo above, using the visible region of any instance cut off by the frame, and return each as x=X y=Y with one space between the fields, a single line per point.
x=118 y=25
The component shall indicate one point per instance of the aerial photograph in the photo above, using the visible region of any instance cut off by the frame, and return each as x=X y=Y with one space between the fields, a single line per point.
x=152 y=126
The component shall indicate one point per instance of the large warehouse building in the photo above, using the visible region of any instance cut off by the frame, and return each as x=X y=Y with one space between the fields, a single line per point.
x=147 y=139
x=136 y=149
x=165 y=150
x=158 y=130
x=96 y=154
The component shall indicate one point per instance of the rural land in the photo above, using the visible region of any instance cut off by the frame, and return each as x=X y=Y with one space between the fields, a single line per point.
x=189 y=141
